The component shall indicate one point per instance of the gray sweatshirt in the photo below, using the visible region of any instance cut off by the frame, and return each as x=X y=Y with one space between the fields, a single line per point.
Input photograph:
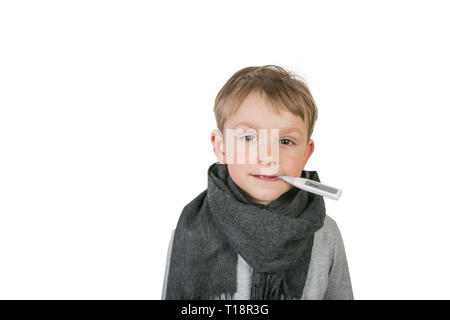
x=328 y=274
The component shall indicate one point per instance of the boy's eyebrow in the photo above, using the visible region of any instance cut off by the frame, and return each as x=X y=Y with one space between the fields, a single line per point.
x=254 y=126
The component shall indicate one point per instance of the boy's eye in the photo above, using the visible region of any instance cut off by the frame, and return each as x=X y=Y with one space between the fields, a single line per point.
x=292 y=142
x=252 y=138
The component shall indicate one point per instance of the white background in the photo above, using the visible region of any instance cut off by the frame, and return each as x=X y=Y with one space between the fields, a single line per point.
x=106 y=110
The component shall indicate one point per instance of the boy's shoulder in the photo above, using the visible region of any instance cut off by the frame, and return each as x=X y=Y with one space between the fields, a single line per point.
x=330 y=224
x=329 y=232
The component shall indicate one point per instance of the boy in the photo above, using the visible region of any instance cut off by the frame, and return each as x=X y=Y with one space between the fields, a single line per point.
x=250 y=235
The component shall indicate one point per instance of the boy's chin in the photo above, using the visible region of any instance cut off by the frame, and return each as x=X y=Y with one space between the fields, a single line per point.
x=265 y=197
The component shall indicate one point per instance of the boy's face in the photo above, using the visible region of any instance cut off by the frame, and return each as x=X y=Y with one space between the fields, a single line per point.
x=293 y=150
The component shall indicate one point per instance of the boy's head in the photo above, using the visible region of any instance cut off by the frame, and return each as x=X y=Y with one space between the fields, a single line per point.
x=251 y=106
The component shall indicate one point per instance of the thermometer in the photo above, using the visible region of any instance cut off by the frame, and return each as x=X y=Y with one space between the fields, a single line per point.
x=313 y=186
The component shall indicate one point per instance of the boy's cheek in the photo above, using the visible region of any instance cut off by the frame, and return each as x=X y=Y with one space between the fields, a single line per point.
x=293 y=165
x=238 y=171
x=240 y=175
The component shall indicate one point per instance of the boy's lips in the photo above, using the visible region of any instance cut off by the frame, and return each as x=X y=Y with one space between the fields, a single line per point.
x=266 y=177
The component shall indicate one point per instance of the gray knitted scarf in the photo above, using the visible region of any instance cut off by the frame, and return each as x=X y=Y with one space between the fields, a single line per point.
x=275 y=240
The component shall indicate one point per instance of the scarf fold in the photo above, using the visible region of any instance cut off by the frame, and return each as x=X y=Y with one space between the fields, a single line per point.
x=275 y=240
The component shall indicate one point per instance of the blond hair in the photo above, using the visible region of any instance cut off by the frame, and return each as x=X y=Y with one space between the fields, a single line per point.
x=283 y=89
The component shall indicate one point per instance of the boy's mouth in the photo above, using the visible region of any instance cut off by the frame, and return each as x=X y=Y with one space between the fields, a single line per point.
x=266 y=178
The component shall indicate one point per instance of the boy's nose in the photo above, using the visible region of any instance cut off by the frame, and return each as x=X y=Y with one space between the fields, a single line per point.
x=269 y=150
x=268 y=155
x=268 y=165
x=266 y=161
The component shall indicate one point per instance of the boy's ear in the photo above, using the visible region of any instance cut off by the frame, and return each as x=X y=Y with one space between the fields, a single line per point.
x=218 y=145
x=308 y=151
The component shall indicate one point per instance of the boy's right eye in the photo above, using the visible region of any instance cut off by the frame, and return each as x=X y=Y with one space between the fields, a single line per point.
x=245 y=138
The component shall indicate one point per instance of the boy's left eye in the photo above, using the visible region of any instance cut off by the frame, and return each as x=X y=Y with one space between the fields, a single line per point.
x=292 y=142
